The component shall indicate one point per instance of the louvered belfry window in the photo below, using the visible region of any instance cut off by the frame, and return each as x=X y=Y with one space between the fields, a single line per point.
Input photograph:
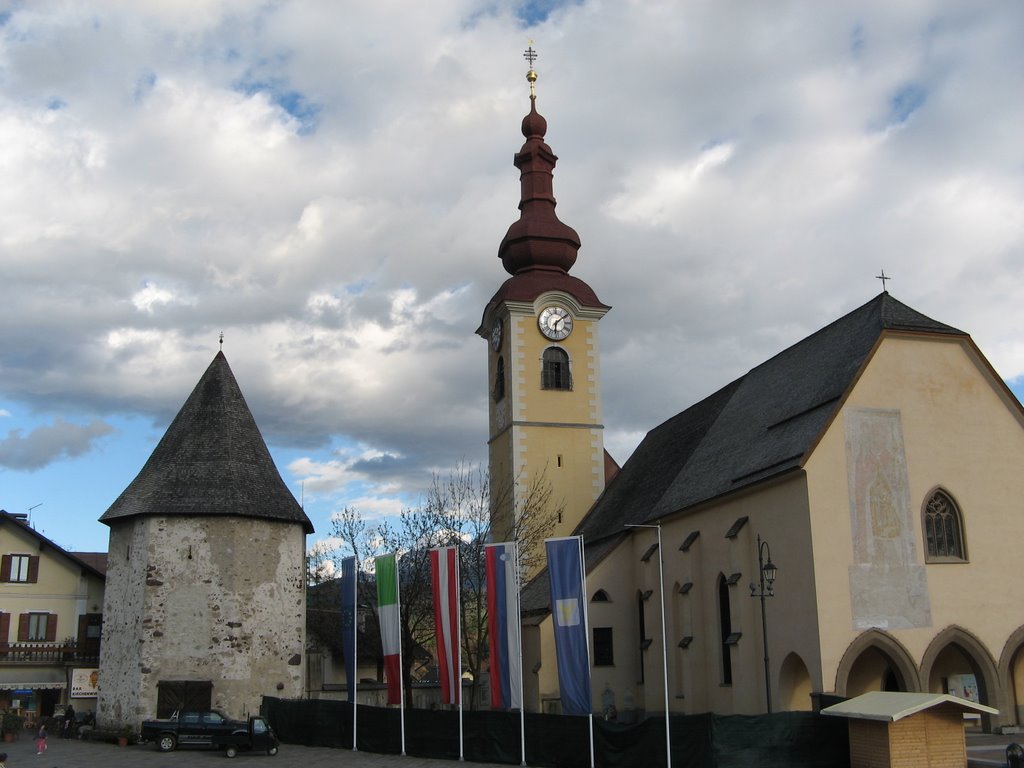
x=555 y=372
x=943 y=528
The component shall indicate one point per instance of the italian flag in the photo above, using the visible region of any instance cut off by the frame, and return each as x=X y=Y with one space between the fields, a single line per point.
x=390 y=627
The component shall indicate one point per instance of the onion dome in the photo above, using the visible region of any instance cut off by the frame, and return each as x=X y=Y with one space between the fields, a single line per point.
x=538 y=240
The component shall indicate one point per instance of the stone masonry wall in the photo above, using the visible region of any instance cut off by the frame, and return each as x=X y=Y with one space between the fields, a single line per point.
x=223 y=600
x=123 y=609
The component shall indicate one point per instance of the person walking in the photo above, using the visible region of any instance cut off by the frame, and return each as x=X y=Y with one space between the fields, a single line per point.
x=41 y=740
x=69 y=722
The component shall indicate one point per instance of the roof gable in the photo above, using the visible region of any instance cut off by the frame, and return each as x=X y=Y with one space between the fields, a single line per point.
x=93 y=563
x=755 y=428
x=212 y=461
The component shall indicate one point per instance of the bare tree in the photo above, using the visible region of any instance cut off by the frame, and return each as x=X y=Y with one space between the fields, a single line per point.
x=456 y=512
x=461 y=503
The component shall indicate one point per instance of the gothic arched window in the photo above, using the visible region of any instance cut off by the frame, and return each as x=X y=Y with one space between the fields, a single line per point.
x=943 y=529
x=499 y=380
x=555 y=369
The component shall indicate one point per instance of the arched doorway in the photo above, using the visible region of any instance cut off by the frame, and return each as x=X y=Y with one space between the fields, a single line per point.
x=876 y=661
x=794 y=685
x=957 y=662
x=1011 y=674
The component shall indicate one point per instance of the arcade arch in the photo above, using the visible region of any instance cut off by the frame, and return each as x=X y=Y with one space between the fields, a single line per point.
x=955 y=652
x=794 y=685
x=876 y=661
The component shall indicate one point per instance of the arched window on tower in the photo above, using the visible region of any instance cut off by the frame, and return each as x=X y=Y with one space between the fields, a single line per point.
x=943 y=529
x=499 y=380
x=555 y=369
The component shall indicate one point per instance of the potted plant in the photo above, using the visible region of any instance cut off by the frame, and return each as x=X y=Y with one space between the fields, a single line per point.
x=124 y=735
x=11 y=725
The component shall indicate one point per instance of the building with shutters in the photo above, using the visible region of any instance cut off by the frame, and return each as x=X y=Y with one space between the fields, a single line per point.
x=51 y=603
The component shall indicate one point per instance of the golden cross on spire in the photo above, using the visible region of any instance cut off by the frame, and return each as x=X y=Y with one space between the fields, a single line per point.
x=531 y=56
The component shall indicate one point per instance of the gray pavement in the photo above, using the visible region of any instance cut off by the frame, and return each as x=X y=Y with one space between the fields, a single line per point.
x=988 y=750
x=61 y=753
x=983 y=751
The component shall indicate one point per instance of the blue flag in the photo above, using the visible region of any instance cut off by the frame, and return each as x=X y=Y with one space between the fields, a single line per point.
x=565 y=572
x=348 y=622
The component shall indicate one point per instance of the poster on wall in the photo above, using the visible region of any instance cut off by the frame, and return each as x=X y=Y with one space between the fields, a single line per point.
x=84 y=683
x=964 y=687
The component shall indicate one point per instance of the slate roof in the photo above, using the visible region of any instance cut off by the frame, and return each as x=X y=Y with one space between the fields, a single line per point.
x=212 y=461
x=757 y=427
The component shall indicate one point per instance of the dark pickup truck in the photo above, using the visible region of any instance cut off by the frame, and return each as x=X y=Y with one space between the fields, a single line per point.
x=210 y=729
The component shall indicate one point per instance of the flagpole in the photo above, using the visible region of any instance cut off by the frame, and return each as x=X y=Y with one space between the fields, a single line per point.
x=586 y=635
x=519 y=642
x=355 y=650
x=401 y=668
x=458 y=642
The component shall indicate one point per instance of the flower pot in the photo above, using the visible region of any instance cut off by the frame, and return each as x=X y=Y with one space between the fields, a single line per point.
x=122 y=741
x=8 y=737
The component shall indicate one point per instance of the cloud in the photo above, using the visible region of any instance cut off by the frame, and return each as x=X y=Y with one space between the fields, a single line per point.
x=333 y=202
x=47 y=444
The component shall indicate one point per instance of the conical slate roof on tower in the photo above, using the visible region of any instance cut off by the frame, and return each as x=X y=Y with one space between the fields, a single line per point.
x=212 y=461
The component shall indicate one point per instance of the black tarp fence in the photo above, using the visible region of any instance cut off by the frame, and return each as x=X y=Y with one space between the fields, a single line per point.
x=784 y=740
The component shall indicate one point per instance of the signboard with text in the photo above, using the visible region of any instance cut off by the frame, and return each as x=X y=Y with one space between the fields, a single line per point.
x=84 y=683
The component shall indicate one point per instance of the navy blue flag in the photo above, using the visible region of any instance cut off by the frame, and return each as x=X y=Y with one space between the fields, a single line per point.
x=348 y=622
x=565 y=572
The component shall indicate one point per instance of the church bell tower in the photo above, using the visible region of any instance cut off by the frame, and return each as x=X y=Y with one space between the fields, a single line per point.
x=543 y=356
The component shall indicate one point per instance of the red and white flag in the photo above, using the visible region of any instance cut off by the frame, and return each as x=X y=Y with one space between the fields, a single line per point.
x=444 y=572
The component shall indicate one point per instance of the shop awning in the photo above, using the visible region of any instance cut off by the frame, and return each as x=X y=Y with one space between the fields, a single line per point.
x=35 y=679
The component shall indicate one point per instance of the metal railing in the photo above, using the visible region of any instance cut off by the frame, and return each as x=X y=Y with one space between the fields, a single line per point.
x=49 y=653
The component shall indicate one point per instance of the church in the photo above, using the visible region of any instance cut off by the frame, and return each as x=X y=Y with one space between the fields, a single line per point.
x=841 y=519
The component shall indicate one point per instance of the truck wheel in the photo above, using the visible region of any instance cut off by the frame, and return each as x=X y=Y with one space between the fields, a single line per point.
x=166 y=742
x=231 y=751
x=272 y=751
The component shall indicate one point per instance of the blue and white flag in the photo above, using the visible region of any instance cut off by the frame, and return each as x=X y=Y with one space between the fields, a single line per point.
x=349 y=586
x=568 y=613
x=503 y=626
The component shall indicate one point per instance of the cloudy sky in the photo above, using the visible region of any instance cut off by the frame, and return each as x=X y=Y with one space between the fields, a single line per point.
x=327 y=183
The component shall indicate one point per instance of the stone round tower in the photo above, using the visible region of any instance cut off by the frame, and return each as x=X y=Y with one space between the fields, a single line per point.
x=205 y=594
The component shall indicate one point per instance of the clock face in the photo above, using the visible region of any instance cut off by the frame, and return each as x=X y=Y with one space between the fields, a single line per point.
x=555 y=323
x=496 y=335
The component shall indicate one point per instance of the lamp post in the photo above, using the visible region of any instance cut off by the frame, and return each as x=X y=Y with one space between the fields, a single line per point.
x=766 y=573
x=664 y=639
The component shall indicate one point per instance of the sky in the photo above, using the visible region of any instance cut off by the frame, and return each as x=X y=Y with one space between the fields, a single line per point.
x=326 y=184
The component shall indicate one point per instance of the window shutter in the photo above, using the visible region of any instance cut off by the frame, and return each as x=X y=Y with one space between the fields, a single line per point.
x=23 y=620
x=83 y=628
x=51 y=628
x=5 y=568
x=33 y=569
x=5 y=628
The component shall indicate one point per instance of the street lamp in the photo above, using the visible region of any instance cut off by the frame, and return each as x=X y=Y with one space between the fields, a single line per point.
x=766 y=573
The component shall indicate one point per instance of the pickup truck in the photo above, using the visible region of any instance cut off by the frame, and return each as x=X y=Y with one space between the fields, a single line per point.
x=210 y=729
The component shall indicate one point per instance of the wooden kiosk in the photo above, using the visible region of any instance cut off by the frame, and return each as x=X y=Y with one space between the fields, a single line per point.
x=907 y=730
